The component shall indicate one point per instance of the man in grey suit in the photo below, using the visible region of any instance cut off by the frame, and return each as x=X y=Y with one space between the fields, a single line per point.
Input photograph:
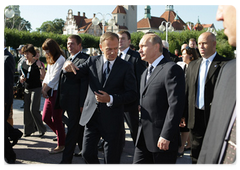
x=131 y=113
x=219 y=144
x=8 y=68
x=109 y=89
x=71 y=96
x=200 y=81
x=162 y=100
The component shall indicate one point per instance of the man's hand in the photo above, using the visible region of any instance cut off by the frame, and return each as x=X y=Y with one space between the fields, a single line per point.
x=182 y=123
x=103 y=97
x=68 y=66
x=163 y=144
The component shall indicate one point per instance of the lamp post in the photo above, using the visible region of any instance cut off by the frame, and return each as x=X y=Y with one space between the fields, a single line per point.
x=96 y=21
x=168 y=28
x=9 y=13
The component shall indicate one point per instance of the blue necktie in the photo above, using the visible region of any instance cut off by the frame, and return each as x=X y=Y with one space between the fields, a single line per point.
x=106 y=73
x=201 y=84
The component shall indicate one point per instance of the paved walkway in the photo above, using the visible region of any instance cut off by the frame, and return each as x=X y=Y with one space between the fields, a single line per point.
x=35 y=150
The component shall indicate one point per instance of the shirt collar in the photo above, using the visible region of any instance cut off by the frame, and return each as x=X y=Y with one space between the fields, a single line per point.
x=124 y=52
x=156 y=62
x=75 y=55
x=211 y=57
x=105 y=60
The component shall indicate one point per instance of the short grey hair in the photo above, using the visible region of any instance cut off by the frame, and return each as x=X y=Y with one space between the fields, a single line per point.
x=155 y=39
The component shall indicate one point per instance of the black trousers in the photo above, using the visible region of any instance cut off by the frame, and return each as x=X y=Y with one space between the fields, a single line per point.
x=112 y=142
x=143 y=156
x=9 y=154
x=74 y=135
x=197 y=134
x=132 y=118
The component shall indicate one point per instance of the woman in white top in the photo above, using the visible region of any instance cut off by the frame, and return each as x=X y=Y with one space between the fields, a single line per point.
x=188 y=55
x=53 y=117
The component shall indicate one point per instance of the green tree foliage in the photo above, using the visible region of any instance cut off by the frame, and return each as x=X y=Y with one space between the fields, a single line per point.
x=54 y=26
x=14 y=23
x=175 y=39
x=14 y=38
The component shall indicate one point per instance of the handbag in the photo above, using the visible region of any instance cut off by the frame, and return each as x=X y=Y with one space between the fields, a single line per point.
x=18 y=90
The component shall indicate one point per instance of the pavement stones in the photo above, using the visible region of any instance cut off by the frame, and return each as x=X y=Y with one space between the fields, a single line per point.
x=35 y=150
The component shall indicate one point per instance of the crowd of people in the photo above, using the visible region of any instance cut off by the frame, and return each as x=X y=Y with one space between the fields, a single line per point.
x=171 y=104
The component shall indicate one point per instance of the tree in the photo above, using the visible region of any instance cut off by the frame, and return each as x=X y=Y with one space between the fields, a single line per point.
x=54 y=26
x=18 y=23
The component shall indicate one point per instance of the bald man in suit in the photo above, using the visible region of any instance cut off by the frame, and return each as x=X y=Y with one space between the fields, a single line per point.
x=219 y=144
x=200 y=82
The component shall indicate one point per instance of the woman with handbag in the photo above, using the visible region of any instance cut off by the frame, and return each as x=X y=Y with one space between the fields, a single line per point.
x=53 y=117
x=32 y=76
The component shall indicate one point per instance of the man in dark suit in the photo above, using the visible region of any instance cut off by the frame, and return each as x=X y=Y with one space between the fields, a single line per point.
x=71 y=96
x=162 y=102
x=201 y=78
x=9 y=68
x=219 y=144
x=109 y=89
x=131 y=113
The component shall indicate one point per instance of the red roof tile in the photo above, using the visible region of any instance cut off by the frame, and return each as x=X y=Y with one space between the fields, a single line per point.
x=119 y=10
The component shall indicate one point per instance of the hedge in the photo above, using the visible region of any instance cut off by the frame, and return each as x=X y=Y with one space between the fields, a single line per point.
x=14 y=38
x=175 y=39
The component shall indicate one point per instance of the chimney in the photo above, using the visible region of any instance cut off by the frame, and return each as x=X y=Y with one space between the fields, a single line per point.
x=83 y=14
x=78 y=13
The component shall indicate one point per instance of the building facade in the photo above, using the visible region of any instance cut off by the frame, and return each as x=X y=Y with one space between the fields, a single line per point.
x=151 y=23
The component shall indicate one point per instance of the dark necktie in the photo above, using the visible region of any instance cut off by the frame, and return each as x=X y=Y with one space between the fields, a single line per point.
x=106 y=73
x=120 y=55
x=149 y=73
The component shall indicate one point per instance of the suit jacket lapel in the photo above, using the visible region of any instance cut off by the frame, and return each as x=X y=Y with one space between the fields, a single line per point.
x=99 y=68
x=213 y=67
x=114 y=71
x=127 y=57
x=153 y=75
x=196 y=70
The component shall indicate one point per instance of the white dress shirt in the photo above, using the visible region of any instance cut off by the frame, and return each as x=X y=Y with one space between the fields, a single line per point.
x=109 y=104
x=53 y=72
x=124 y=53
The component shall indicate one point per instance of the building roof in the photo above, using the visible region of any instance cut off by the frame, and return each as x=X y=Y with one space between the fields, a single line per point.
x=198 y=27
x=153 y=23
x=207 y=25
x=80 y=20
x=86 y=24
x=119 y=10
x=170 y=16
x=177 y=25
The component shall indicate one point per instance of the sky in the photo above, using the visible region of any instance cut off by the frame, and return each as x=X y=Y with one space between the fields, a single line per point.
x=37 y=13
